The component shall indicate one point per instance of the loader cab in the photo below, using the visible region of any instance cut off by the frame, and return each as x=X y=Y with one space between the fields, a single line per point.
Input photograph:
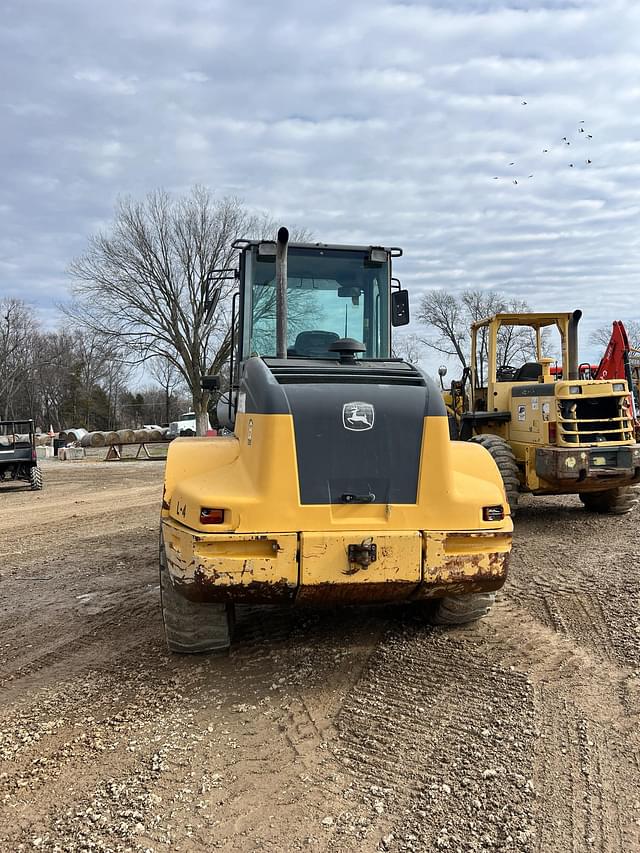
x=333 y=292
x=519 y=349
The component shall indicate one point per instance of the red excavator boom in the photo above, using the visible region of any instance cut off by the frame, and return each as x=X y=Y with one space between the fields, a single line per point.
x=616 y=364
x=615 y=361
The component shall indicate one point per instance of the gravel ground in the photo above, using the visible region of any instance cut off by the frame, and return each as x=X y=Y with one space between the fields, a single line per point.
x=350 y=729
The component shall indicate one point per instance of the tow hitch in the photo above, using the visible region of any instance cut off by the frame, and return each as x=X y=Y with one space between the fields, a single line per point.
x=361 y=556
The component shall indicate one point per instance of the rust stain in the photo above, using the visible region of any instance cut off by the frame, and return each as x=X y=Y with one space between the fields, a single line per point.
x=203 y=588
x=460 y=574
x=355 y=593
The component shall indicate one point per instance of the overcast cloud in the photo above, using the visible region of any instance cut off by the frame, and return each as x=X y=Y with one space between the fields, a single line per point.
x=365 y=121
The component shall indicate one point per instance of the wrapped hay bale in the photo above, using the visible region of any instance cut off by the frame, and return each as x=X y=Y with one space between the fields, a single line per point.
x=126 y=436
x=142 y=435
x=111 y=437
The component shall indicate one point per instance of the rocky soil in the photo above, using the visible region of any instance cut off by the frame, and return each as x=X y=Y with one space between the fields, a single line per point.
x=350 y=729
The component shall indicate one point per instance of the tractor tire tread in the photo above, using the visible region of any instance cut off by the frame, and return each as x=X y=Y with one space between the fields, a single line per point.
x=35 y=478
x=618 y=501
x=191 y=627
x=462 y=609
x=505 y=459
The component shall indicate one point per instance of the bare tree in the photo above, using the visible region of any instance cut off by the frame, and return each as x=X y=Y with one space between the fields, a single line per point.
x=18 y=335
x=150 y=283
x=450 y=318
x=446 y=316
x=407 y=346
x=602 y=334
x=169 y=378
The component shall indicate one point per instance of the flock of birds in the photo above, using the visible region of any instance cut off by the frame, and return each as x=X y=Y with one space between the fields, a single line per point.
x=565 y=140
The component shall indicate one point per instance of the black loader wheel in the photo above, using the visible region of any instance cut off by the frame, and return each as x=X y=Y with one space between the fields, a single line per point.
x=506 y=462
x=461 y=609
x=618 y=501
x=35 y=478
x=190 y=627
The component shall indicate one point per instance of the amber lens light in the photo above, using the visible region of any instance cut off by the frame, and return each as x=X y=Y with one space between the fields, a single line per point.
x=493 y=513
x=211 y=516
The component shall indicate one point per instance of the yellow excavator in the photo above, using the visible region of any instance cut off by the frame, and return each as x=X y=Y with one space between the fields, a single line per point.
x=337 y=482
x=552 y=429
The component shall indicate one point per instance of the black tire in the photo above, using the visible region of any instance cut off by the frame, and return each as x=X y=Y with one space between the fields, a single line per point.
x=618 y=501
x=35 y=478
x=190 y=627
x=462 y=609
x=506 y=461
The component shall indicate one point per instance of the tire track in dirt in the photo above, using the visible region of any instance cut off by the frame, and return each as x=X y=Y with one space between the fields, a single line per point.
x=423 y=733
x=588 y=712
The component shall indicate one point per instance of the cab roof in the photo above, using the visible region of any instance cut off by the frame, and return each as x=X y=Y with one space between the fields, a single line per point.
x=536 y=320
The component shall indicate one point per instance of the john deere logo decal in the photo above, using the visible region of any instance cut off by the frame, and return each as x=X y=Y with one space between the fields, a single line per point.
x=358 y=416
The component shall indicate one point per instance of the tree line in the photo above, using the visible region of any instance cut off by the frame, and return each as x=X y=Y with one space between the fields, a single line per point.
x=151 y=297
x=75 y=377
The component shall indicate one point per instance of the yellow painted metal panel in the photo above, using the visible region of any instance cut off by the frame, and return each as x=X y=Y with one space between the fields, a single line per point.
x=462 y=562
x=257 y=485
x=220 y=559
x=324 y=558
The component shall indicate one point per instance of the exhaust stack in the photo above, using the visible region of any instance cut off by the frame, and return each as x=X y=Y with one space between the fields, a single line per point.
x=282 y=244
x=572 y=344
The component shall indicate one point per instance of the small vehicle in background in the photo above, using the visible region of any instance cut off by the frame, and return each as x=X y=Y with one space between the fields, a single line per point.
x=185 y=425
x=18 y=459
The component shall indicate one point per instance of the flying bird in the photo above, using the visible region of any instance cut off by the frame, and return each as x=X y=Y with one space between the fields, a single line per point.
x=523 y=102
x=512 y=164
x=530 y=176
x=545 y=150
x=514 y=181
x=496 y=178
x=564 y=138
x=571 y=165
x=589 y=136
x=581 y=130
x=581 y=121
x=587 y=162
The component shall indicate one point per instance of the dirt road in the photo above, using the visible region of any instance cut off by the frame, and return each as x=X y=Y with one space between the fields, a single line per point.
x=355 y=729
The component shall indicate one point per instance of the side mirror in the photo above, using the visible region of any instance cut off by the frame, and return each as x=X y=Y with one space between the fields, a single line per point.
x=210 y=382
x=399 y=307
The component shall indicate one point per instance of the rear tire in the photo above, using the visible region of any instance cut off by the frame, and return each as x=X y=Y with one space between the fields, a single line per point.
x=462 y=609
x=507 y=465
x=190 y=627
x=35 y=478
x=618 y=501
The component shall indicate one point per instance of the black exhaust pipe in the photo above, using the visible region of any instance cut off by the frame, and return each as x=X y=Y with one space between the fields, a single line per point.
x=282 y=244
x=572 y=345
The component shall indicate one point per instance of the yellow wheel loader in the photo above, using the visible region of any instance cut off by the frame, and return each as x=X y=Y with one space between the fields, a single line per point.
x=550 y=429
x=337 y=482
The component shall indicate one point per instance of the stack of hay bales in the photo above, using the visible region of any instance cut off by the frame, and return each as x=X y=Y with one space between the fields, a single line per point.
x=100 y=438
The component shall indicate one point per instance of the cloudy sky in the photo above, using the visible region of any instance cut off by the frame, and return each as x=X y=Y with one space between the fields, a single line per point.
x=365 y=121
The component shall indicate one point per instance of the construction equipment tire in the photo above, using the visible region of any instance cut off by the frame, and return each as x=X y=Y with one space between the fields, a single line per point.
x=506 y=461
x=190 y=627
x=618 y=501
x=461 y=609
x=35 y=478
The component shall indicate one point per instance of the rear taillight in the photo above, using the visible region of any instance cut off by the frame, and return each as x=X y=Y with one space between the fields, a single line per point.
x=211 y=516
x=553 y=433
x=493 y=513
